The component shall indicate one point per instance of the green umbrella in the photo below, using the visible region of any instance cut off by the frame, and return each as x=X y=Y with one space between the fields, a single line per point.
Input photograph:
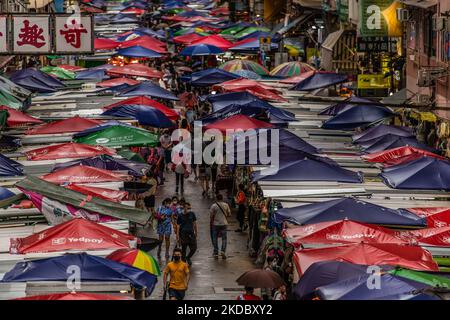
x=6 y=99
x=120 y=136
x=423 y=277
x=249 y=30
x=3 y=117
x=232 y=31
x=60 y=73
x=184 y=31
x=130 y=155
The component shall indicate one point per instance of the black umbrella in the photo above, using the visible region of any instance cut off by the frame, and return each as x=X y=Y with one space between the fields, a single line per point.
x=259 y=278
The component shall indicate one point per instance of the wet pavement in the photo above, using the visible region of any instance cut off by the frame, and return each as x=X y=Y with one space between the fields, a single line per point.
x=211 y=279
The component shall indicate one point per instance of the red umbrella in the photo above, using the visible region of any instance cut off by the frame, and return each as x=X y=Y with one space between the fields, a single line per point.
x=117 y=82
x=439 y=237
x=69 y=67
x=168 y=112
x=83 y=174
x=146 y=42
x=253 y=87
x=260 y=278
x=105 y=44
x=68 y=150
x=406 y=256
x=73 y=124
x=137 y=70
x=215 y=40
x=187 y=38
x=436 y=217
x=103 y=193
x=75 y=234
x=17 y=118
x=74 y=296
x=133 y=10
x=399 y=155
x=238 y=122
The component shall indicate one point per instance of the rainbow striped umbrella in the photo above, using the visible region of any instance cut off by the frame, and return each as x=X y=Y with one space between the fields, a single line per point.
x=136 y=258
x=236 y=65
x=291 y=69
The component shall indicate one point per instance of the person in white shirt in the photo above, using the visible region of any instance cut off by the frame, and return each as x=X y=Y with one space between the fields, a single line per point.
x=219 y=211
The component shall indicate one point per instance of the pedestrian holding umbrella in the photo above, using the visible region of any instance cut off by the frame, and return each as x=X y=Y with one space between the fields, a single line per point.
x=260 y=278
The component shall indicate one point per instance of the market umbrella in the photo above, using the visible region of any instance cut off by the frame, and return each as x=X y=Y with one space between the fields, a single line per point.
x=422 y=174
x=290 y=69
x=201 y=50
x=381 y=130
x=172 y=114
x=296 y=79
x=319 y=80
x=138 y=52
x=70 y=67
x=148 y=88
x=117 y=82
x=209 y=77
x=215 y=40
x=137 y=70
x=9 y=168
x=249 y=30
x=337 y=108
x=36 y=80
x=391 y=141
x=187 y=38
x=237 y=122
x=430 y=279
x=105 y=44
x=91 y=74
x=130 y=155
x=238 y=64
x=136 y=258
x=247 y=74
x=59 y=73
x=17 y=118
x=260 y=278
x=145 y=115
x=72 y=124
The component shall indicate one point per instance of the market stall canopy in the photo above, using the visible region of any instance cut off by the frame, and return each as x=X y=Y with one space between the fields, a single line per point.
x=381 y=130
x=138 y=52
x=117 y=82
x=116 y=135
x=92 y=268
x=67 y=150
x=147 y=42
x=340 y=232
x=337 y=108
x=9 y=168
x=136 y=258
x=187 y=39
x=253 y=87
x=349 y=208
x=356 y=288
x=438 y=237
x=239 y=64
x=209 y=77
x=320 y=79
x=59 y=72
x=435 y=216
x=14 y=95
x=83 y=174
x=105 y=44
x=146 y=115
x=405 y=256
x=391 y=141
x=75 y=234
x=18 y=119
x=431 y=279
x=291 y=69
x=70 y=67
x=123 y=18
x=73 y=124
x=237 y=122
x=422 y=174
x=105 y=162
x=137 y=70
x=74 y=296
x=142 y=100
x=148 y=88
x=222 y=100
x=94 y=75
x=216 y=41
x=36 y=81
x=310 y=170
x=400 y=155
x=249 y=44
x=102 y=193
x=357 y=116
x=200 y=50
x=249 y=30
x=78 y=200
x=297 y=79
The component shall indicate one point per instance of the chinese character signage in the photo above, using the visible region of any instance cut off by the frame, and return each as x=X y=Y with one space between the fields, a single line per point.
x=3 y=33
x=379 y=18
x=31 y=34
x=73 y=34
x=376 y=44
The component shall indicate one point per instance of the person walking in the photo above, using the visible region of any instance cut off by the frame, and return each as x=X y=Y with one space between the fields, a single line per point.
x=248 y=295
x=241 y=201
x=149 y=195
x=179 y=276
x=164 y=215
x=166 y=144
x=187 y=232
x=281 y=293
x=219 y=211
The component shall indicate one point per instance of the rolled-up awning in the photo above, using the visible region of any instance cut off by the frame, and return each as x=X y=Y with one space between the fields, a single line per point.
x=424 y=4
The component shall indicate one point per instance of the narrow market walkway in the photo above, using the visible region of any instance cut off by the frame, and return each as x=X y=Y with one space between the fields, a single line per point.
x=210 y=279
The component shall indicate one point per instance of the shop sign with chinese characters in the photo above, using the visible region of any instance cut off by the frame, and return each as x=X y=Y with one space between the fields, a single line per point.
x=46 y=33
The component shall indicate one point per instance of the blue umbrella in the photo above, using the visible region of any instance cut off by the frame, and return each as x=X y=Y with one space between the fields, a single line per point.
x=210 y=77
x=382 y=130
x=310 y=170
x=91 y=74
x=9 y=168
x=348 y=208
x=146 y=115
x=92 y=268
x=422 y=174
x=139 y=52
x=251 y=46
x=201 y=50
x=5 y=193
x=320 y=80
x=148 y=88
x=337 y=108
x=391 y=141
x=36 y=80
x=222 y=100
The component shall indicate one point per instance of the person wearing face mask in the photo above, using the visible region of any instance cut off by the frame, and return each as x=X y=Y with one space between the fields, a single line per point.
x=187 y=232
x=179 y=276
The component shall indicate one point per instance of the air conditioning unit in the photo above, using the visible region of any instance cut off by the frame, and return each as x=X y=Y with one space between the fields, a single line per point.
x=424 y=78
x=423 y=99
x=439 y=24
x=402 y=15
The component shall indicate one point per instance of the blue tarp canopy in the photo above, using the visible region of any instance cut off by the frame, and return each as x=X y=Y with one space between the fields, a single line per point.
x=320 y=80
x=323 y=273
x=382 y=130
x=93 y=268
x=96 y=75
x=124 y=18
x=9 y=168
x=5 y=194
x=424 y=173
x=210 y=77
x=36 y=80
x=251 y=46
x=311 y=170
x=146 y=115
x=356 y=288
x=141 y=31
x=106 y=162
x=357 y=116
x=349 y=208
x=391 y=141
x=139 y=52
x=345 y=105
x=222 y=100
x=200 y=50
x=119 y=88
x=148 y=88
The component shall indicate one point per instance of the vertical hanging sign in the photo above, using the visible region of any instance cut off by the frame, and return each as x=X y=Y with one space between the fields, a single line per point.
x=73 y=34
x=31 y=34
